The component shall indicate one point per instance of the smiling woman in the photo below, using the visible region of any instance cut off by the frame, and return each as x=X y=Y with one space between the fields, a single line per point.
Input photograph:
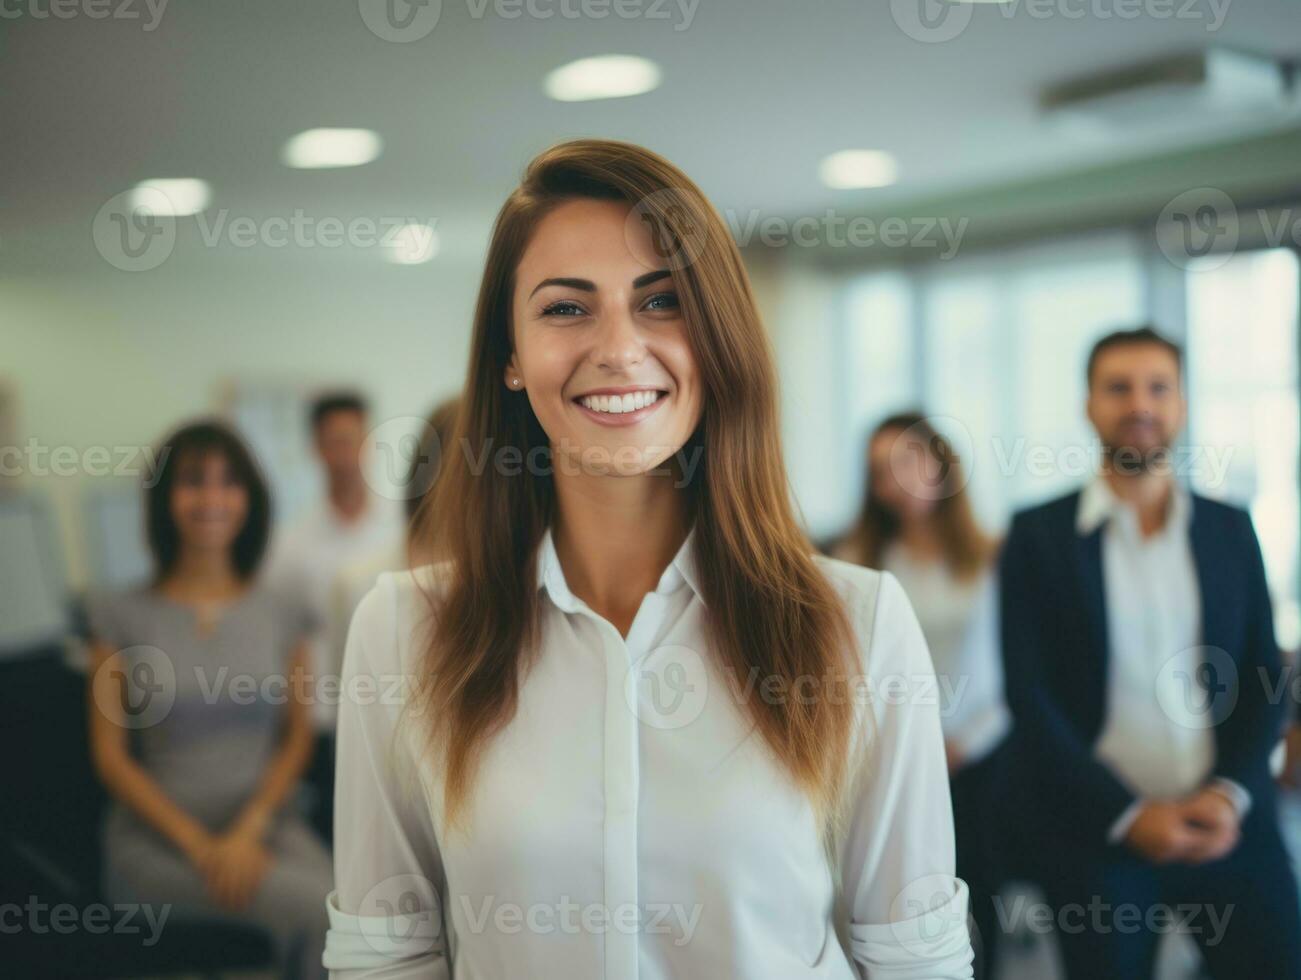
x=641 y=706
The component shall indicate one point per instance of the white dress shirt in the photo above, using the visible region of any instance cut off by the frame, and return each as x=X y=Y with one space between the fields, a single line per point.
x=628 y=823
x=1153 y=737
x=959 y=618
x=306 y=559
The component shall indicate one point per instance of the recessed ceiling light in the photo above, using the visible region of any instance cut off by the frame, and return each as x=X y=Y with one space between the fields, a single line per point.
x=858 y=168
x=608 y=76
x=412 y=244
x=314 y=149
x=173 y=197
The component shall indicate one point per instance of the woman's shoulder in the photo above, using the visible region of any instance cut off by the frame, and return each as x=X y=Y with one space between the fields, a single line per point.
x=389 y=623
x=880 y=615
x=110 y=612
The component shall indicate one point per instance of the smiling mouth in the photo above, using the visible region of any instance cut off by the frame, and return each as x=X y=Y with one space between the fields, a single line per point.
x=614 y=403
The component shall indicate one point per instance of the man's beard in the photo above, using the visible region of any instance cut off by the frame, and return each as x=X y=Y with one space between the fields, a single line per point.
x=1129 y=460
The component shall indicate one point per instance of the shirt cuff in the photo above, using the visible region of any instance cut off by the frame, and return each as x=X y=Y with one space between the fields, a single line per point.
x=1126 y=820
x=1236 y=793
x=932 y=946
x=368 y=942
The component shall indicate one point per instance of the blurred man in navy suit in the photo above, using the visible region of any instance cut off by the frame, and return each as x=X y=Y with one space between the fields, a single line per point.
x=1145 y=682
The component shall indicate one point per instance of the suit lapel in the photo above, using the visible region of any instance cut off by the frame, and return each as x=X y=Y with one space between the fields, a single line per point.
x=1089 y=560
x=1209 y=573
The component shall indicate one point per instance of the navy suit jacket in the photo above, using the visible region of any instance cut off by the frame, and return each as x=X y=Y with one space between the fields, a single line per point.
x=1055 y=654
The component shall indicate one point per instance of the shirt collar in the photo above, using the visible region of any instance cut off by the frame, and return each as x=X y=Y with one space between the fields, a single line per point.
x=682 y=570
x=1098 y=504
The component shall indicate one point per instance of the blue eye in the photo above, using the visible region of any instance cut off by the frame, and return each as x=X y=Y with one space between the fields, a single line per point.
x=663 y=301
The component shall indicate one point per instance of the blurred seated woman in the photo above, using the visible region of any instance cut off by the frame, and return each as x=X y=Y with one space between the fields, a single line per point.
x=198 y=713
x=917 y=523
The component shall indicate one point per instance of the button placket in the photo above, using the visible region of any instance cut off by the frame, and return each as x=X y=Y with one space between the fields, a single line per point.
x=621 y=780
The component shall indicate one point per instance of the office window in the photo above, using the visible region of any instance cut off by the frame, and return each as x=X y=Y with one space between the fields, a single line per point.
x=881 y=351
x=1007 y=337
x=966 y=361
x=1057 y=313
x=1242 y=384
x=878 y=374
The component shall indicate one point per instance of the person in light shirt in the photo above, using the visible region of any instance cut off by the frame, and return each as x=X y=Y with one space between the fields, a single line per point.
x=357 y=578
x=1140 y=666
x=629 y=726
x=351 y=522
x=917 y=523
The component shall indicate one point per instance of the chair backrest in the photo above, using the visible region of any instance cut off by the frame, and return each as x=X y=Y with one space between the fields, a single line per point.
x=55 y=802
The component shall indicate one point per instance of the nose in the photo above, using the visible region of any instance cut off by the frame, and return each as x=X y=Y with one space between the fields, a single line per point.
x=617 y=344
x=1140 y=402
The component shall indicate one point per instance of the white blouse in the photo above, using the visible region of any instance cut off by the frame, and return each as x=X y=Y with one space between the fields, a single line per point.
x=627 y=823
x=959 y=618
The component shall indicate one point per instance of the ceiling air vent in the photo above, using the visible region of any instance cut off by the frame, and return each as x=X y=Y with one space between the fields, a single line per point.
x=1185 y=88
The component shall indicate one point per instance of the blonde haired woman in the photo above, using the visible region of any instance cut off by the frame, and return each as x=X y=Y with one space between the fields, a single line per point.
x=637 y=743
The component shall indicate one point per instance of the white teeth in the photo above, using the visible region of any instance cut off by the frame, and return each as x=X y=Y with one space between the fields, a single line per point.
x=618 y=404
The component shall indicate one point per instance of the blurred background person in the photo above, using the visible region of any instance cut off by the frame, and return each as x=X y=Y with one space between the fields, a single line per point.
x=423 y=467
x=349 y=524
x=1140 y=658
x=917 y=523
x=198 y=721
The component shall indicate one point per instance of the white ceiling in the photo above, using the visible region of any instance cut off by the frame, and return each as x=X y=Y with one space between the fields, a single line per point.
x=754 y=95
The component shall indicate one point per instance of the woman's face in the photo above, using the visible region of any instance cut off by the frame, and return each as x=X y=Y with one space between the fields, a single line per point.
x=600 y=344
x=903 y=473
x=209 y=505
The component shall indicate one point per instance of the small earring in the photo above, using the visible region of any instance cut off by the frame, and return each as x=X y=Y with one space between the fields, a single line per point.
x=515 y=382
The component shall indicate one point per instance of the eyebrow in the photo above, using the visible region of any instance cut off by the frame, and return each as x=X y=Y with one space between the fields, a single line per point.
x=590 y=287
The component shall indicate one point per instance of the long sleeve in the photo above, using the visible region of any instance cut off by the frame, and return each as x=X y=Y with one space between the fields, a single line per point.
x=386 y=918
x=978 y=718
x=907 y=911
x=1249 y=732
x=1075 y=777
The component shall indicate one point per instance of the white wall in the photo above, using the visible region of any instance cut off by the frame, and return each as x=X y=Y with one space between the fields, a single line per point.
x=116 y=359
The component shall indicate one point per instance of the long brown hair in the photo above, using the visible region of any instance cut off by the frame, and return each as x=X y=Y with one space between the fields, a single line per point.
x=966 y=548
x=770 y=611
